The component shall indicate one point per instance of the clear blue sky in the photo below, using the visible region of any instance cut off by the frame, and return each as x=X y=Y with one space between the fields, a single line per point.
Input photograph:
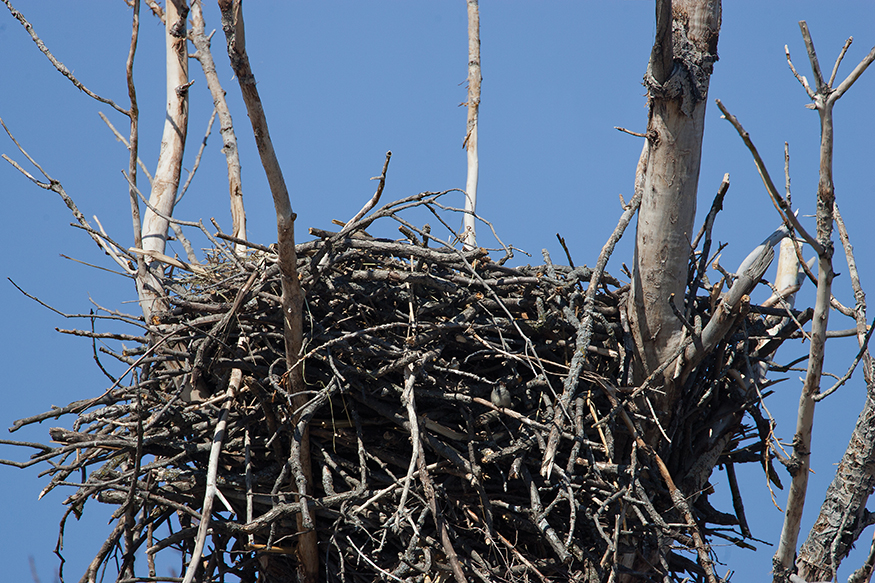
x=342 y=83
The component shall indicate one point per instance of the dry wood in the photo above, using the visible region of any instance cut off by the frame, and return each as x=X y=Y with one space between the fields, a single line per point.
x=229 y=139
x=292 y=296
x=473 y=329
x=824 y=98
x=166 y=180
x=677 y=101
x=469 y=234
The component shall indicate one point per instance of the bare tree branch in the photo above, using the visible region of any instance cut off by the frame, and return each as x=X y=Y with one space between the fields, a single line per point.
x=785 y=556
x=469 y=236
x=58 y=64
x=229 y=139
x=166 y=180
x=292 y=296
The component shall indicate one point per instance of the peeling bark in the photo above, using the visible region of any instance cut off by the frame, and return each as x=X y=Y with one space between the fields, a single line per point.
x=166 y=180
x=677 y=95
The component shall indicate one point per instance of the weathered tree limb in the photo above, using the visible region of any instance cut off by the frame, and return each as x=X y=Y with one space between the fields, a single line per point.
x=229 y=139
x=58 y=64
x=780 y=203
x=677 y=80
x=292 y=295
x=469 y=235
x=166 y=180
x=843 y=513
x=824 y=99
x=134 y=139
x=127 y=143
x=859 y=294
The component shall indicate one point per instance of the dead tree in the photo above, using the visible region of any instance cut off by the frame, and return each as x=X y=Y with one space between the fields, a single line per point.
x=677 y=80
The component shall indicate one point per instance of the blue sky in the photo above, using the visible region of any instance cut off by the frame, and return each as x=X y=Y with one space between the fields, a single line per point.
x=342 y=83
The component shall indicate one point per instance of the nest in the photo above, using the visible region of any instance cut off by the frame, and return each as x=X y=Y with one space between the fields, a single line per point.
x=439 y=382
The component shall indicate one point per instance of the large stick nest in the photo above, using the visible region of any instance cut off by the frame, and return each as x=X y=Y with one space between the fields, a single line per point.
x=436 y=377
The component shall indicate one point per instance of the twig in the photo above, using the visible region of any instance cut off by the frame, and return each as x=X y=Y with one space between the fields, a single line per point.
x=864 y=349
x=780 y=204
x=57 y=64
x=197 y=159
x=835 y=68
x=127 y=144
x=353 y=222
x=630 y=132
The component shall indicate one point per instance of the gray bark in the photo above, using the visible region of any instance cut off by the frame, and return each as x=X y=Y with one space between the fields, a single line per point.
x=677 y=96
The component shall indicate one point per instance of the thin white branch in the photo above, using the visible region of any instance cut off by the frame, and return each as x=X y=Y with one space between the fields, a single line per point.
x=469 y=235
x=801 y=78
x=835 y=68
x=853 y=76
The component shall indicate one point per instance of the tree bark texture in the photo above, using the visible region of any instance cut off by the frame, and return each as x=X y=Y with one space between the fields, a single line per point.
x=677 y=97
x=166 y=180
x=469 y=236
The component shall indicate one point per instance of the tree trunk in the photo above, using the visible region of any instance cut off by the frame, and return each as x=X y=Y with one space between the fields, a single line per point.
x=677 y=82
x=677 y=77
x=166 y=180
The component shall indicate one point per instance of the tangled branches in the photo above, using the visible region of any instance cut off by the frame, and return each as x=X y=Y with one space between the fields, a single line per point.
x=435 y=377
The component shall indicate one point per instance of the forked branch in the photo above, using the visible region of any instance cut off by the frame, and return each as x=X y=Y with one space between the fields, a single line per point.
x=823 y=565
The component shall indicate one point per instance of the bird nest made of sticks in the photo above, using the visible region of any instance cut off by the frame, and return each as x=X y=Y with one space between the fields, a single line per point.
x=450 y=423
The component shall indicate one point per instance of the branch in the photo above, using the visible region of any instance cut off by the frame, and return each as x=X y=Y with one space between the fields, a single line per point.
x=352 y=223
x=812 y=56
x=781 y=205
x=229 y=139
x=860 y=354
x=859 y=294
x=133 y=143
x=835 y=68
x=58 y=64
x=785 y=556
x=475 y=78
x=124 y=141
x=57 y=188
x=801 y=78
x=166 y=180
x=292 y=296
x=854 y=75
